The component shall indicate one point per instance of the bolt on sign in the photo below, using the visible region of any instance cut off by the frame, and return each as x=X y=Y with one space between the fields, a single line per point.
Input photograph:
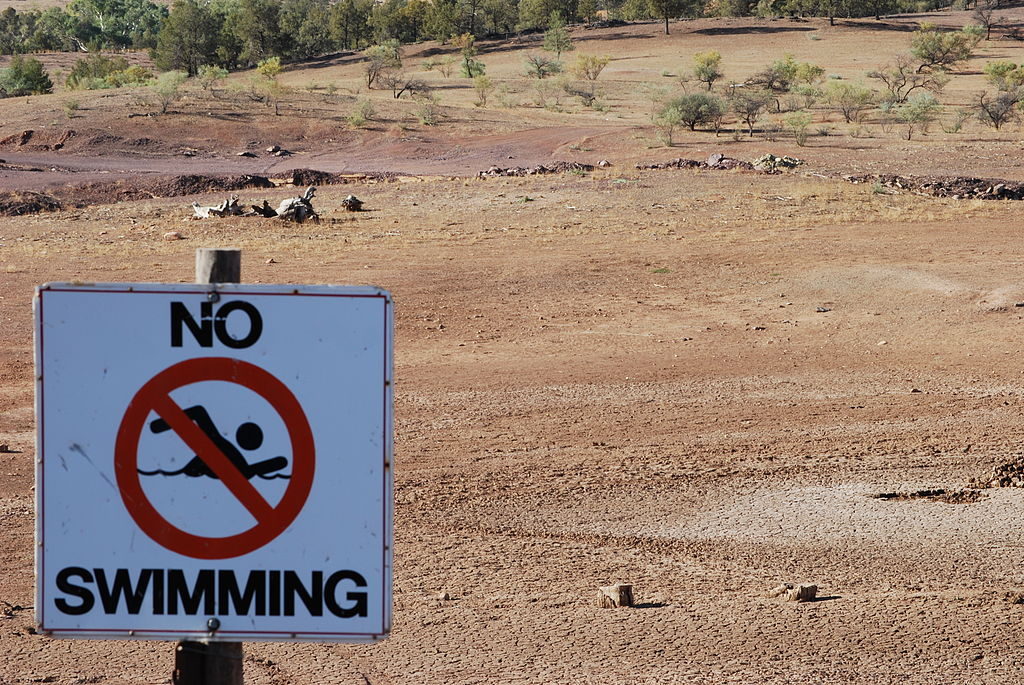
x=214 y=462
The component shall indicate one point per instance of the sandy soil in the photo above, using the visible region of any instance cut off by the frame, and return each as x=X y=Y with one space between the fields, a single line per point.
x=692 y=381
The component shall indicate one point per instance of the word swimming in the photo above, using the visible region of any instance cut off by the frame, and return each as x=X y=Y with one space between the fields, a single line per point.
x=169 y=591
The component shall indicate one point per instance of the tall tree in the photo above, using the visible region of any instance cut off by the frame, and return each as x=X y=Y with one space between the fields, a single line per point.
x=188 y=38
x=255 y=23
x=349 y=26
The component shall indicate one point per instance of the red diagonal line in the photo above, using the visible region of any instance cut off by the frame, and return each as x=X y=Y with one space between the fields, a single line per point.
x=200 y=443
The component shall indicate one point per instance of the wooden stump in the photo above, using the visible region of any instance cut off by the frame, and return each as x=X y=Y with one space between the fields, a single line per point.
x=792 y=592
x=614 y=596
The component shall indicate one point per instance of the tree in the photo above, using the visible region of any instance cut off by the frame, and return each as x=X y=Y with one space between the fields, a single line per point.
x=381 y=58
x=541 y=66
x=348 y=22
x=985 y=14
x=749 y=106
x=696 y=108
x=998 y=110
x=849 y=99
x=187 y=39
x=918 y=112
x=667 y=9
x=901 y=78
x=1004 y=75
x=707 y=67
x=307 y=26
x=52 y=31
x=24 y=76
x=471 y=67
x=557 y=38
x=941 y=50
x=255 y=24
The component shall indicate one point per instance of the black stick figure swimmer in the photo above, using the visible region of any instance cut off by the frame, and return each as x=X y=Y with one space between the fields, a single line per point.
x=249 y=437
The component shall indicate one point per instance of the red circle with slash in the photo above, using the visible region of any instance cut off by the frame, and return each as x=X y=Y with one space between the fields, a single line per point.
x=155 y=396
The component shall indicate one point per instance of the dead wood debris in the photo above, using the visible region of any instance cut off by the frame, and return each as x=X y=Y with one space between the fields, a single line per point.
x=297 y=209
x=935 y=495
x=954 y=187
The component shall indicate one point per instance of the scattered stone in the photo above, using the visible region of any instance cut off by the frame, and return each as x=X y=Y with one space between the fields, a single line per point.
x=314 y=177
x=246 y=153
x=282 y=153
x=352 y=204
x=553 y=168
x=715 y=161
x=21 y=202
x=792 y=592
x=953 y=187
x=1014 y=597
x=771 y=164
x=1007 y=475
x=615 y=596
x=273 y=148
x=822 y=310
x=444 y=596
x=173 y=235
x=604 y=164
x=271 y=261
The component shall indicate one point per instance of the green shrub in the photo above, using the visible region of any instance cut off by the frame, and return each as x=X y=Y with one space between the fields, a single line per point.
x=90 y=73
x=25 y=76
x=696 y=109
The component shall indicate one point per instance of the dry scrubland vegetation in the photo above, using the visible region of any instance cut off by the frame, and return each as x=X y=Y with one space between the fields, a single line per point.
x=697 y=381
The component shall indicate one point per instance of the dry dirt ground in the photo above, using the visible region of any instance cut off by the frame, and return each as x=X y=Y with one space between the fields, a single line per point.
x=694 y=381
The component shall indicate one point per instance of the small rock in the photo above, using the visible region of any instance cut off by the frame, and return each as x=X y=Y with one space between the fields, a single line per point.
x=173 y=235
x=271 y=261
x=444 y=596
x=822 y=310
x=246 y=153
x=5 y=448
x=282 y=153
x=352 y=204
x=273 y=148
x=883 y=342
x=604 y=164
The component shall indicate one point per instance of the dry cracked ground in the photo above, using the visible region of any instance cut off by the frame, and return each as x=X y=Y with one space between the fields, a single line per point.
x=693 y=381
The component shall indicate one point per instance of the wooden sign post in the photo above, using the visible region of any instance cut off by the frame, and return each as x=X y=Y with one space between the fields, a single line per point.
x=211 y=663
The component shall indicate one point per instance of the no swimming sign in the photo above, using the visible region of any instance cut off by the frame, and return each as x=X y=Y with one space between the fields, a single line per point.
x=214 y=462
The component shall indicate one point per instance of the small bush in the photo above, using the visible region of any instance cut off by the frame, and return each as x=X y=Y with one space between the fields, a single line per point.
x=589 y=67
x=483 y=87
x=364 y=111
x=707 y=67
x=798 y=123
x=25 y=76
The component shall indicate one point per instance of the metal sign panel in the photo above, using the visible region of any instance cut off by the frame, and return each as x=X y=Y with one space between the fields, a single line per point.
x=214 y=462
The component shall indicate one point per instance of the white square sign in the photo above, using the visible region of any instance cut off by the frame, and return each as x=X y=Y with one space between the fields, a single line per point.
x=214 y=462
